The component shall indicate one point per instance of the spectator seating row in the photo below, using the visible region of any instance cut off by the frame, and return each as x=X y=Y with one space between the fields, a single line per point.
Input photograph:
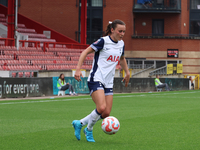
x=13 y=48
x=33 y=35
x=32 y=59
x=14 y=62
x=23 y=52
x=21 y=74
x=40 y=67
x=41 y=40
x=66 y=67
x=24 y=30
x=23 y=67
x=53 y=62
x=30 y=49
x=41 y=57
x=5 y=57
x=69 y=50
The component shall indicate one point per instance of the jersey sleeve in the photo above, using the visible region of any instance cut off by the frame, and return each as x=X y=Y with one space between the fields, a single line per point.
x=123 y=51
x=98 y=45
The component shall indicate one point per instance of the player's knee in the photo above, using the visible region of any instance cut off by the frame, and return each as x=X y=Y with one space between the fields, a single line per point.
x=102 y=108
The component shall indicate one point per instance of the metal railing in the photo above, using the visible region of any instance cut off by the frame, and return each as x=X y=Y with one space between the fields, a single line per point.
x=139 y=66
x=159 y=71
x=23 y=43
x=157 y=5
x=7 y=42
x=167 y=35
x=152 y=66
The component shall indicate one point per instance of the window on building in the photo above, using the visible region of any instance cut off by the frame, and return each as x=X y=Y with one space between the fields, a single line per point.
x=195 y=4
x=195 y=27
x=97 y=3
x=94 y=20
x=160 y=64
x=4 y=2
x=158 y=27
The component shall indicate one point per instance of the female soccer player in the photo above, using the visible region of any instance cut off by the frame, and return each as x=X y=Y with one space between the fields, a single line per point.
x=109 y=50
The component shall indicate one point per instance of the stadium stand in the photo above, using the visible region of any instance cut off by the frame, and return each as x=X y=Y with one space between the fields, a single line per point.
x=30 y=59
x=36 y=52
x=31 y=33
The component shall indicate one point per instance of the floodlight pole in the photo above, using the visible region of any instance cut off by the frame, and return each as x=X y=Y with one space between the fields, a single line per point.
x=83 y=21
x=16 y=20
x=11 y=19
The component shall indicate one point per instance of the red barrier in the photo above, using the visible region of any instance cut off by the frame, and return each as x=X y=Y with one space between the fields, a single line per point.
x=22 y=43
x=63 y=45
x=7 y=42
x=45 y=45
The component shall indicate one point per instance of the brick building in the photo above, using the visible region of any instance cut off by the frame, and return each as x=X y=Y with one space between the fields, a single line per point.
x=152 y=26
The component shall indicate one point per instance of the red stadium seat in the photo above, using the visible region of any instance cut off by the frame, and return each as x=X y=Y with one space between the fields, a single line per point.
x=2 y=16
x=27 y=74
x=21 y=25
x=14 y=74
x=23 y=30
x=2 y=20
x=20 y=74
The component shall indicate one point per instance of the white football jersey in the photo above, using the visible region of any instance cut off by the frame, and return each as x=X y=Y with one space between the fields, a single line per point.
x=107 y=55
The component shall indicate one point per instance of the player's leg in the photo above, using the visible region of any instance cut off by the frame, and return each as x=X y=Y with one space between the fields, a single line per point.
x=93 y=87
x=109 y=102
x=84 y=121
x=106 y=113
x=99 y=99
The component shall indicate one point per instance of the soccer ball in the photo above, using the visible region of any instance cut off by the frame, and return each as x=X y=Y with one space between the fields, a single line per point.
x=110 y=125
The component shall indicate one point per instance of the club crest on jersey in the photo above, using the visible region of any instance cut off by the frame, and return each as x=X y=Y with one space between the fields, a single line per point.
x=112 y=58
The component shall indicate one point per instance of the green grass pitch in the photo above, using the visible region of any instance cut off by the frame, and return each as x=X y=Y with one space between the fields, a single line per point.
x=148 y=121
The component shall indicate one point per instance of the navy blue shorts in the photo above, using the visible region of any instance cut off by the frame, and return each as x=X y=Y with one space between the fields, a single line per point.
x=94 y=86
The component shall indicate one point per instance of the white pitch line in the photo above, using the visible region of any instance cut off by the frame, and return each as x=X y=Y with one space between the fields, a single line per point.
x=46 y=101
x=174 y=93
x=42 y=101
x=175 y=97
x=129 y=96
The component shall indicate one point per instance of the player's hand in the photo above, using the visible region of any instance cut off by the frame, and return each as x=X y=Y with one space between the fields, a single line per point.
x=126 y=79
x=78 y=75
x=67 y=83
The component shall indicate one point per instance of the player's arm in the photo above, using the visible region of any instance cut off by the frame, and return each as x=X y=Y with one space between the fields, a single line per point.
x=96 y=46
x=78 y=73
x=125 y=67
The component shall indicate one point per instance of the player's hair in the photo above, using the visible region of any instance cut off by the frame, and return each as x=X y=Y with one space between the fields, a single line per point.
x=113 y=25
x=61 y=78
